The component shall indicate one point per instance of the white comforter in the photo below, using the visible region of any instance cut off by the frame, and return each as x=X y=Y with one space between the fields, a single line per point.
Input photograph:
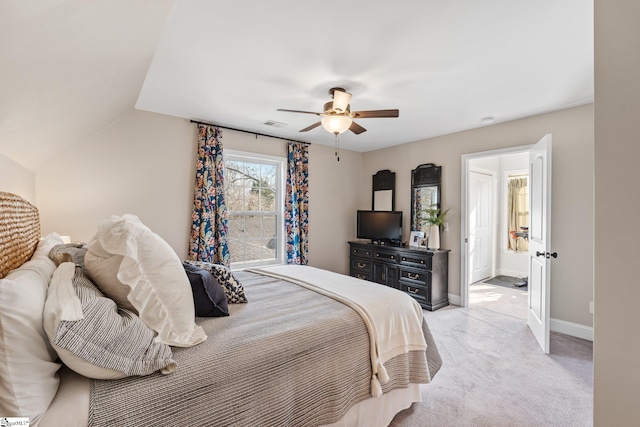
x=393 y=319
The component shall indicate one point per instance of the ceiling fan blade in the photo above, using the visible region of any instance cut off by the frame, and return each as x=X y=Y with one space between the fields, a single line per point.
x=341 y=100
x=313 y=126
x=298 y=111
x=356 y=128
x=374 y=113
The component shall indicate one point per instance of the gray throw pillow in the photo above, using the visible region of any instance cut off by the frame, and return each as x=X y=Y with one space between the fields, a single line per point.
x=209 y=297
x=100 y=341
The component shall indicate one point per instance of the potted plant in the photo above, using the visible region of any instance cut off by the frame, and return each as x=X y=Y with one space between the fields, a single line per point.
x=435 y=218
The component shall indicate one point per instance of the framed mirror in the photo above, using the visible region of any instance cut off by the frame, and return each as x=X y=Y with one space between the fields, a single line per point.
x=383 y=191
x=425 y=194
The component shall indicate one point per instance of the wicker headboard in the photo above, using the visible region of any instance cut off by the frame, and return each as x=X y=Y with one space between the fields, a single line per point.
x=19 y=231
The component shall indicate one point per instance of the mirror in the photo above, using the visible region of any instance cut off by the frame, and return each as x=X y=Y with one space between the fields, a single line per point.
x=425 y=194
x=383 y=191
x=383 y=200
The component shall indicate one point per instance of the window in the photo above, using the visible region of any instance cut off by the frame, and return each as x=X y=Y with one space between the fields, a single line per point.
x=254 y=191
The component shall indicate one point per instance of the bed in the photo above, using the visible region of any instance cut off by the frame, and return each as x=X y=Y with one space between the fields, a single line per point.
x=296 y=354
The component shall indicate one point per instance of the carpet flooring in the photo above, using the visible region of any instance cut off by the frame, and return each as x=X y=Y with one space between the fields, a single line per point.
x=494 y=373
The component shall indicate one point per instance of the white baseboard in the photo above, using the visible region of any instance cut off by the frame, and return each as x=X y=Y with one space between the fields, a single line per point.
x=454 y=299
x=573 y=329
x=562 y=326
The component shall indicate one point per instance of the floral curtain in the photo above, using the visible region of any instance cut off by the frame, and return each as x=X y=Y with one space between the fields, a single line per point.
x=209 y=228
x=296 y=214
x=518 y=213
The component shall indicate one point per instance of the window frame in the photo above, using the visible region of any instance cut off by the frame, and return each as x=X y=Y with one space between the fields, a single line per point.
x=280 y=163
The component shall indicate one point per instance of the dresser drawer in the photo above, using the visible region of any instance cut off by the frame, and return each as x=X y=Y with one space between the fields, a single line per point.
x=381 y=256
x=419 y=292
x=422 y=276
x=417 y=260
x=362 y=266
x=361 y=276
x=361 y=253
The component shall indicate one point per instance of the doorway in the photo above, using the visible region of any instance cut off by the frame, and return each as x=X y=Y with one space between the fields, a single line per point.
x=494 y=266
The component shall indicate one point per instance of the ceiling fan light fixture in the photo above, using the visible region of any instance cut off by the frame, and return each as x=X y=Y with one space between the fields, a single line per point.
x=336 y=124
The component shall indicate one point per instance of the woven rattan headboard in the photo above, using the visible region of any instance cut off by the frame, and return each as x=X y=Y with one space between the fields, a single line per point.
x=19 y=231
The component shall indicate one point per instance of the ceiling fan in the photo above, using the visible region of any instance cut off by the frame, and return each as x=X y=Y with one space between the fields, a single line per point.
x=337 y=116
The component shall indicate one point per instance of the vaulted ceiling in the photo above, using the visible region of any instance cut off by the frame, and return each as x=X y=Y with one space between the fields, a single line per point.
x=72 y=67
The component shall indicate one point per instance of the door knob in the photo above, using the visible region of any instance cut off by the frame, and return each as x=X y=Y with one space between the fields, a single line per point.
x=547 y=254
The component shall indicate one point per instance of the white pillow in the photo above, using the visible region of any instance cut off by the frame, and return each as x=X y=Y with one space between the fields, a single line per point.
x=126 y=258
x=28 y=379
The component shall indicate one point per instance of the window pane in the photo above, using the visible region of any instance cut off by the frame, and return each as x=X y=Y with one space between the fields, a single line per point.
x=236 y=250
x=236 y=226
x=253 y=227
x=268 y=199
x=268 y=248
x=269 y=225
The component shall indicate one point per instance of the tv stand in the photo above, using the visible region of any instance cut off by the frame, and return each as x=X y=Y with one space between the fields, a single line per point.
x=419 y=272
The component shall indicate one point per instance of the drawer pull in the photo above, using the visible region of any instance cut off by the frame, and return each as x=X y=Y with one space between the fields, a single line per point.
x=368 y=253
x=360 y=276
x=404 y=259
x=411 y=276
x=355 y=251
x=421 y=261
x=412 y=291
x=377 y=254
x=361 y=265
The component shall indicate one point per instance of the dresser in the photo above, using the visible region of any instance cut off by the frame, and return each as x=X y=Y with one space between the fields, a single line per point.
x=419 y=272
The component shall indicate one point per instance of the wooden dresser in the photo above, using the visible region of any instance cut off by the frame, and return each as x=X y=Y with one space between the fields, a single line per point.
x=419 y=272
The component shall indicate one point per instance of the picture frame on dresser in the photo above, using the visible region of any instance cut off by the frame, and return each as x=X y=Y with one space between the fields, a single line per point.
x=416 y=238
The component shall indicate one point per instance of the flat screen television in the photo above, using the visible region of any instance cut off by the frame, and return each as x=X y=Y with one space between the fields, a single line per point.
x=380 y=226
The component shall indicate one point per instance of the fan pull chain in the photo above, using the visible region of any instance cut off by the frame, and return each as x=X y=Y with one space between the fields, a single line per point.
x=337 y=147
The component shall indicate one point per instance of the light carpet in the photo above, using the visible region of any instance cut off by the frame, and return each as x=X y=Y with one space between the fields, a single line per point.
x=494 y=373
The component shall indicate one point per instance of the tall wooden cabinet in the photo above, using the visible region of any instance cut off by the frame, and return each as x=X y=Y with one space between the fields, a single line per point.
x=419 y=272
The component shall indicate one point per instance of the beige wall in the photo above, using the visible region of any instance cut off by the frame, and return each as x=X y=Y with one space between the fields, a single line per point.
x=17 y=180
x=144 y=164
x=617 y=211
x=572 y=208
x=334 y=189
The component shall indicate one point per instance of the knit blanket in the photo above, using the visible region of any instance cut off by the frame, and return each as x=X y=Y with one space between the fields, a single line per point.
x=393 y=319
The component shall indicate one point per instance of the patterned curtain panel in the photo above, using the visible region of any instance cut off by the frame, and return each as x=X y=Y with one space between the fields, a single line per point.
x=209 y=228
x=418 y=220
x=296 y=220
x=518 y=213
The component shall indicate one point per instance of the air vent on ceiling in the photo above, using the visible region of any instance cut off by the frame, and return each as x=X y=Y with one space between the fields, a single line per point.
x=274 y=123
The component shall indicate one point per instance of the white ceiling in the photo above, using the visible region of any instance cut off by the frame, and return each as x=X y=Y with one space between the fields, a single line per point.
x=76 y=66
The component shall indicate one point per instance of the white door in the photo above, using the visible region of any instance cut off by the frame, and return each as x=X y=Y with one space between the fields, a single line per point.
x=480 y=226
x=540 y=240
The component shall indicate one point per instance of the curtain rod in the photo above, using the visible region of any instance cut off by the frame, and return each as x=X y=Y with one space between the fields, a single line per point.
x=246 y=131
